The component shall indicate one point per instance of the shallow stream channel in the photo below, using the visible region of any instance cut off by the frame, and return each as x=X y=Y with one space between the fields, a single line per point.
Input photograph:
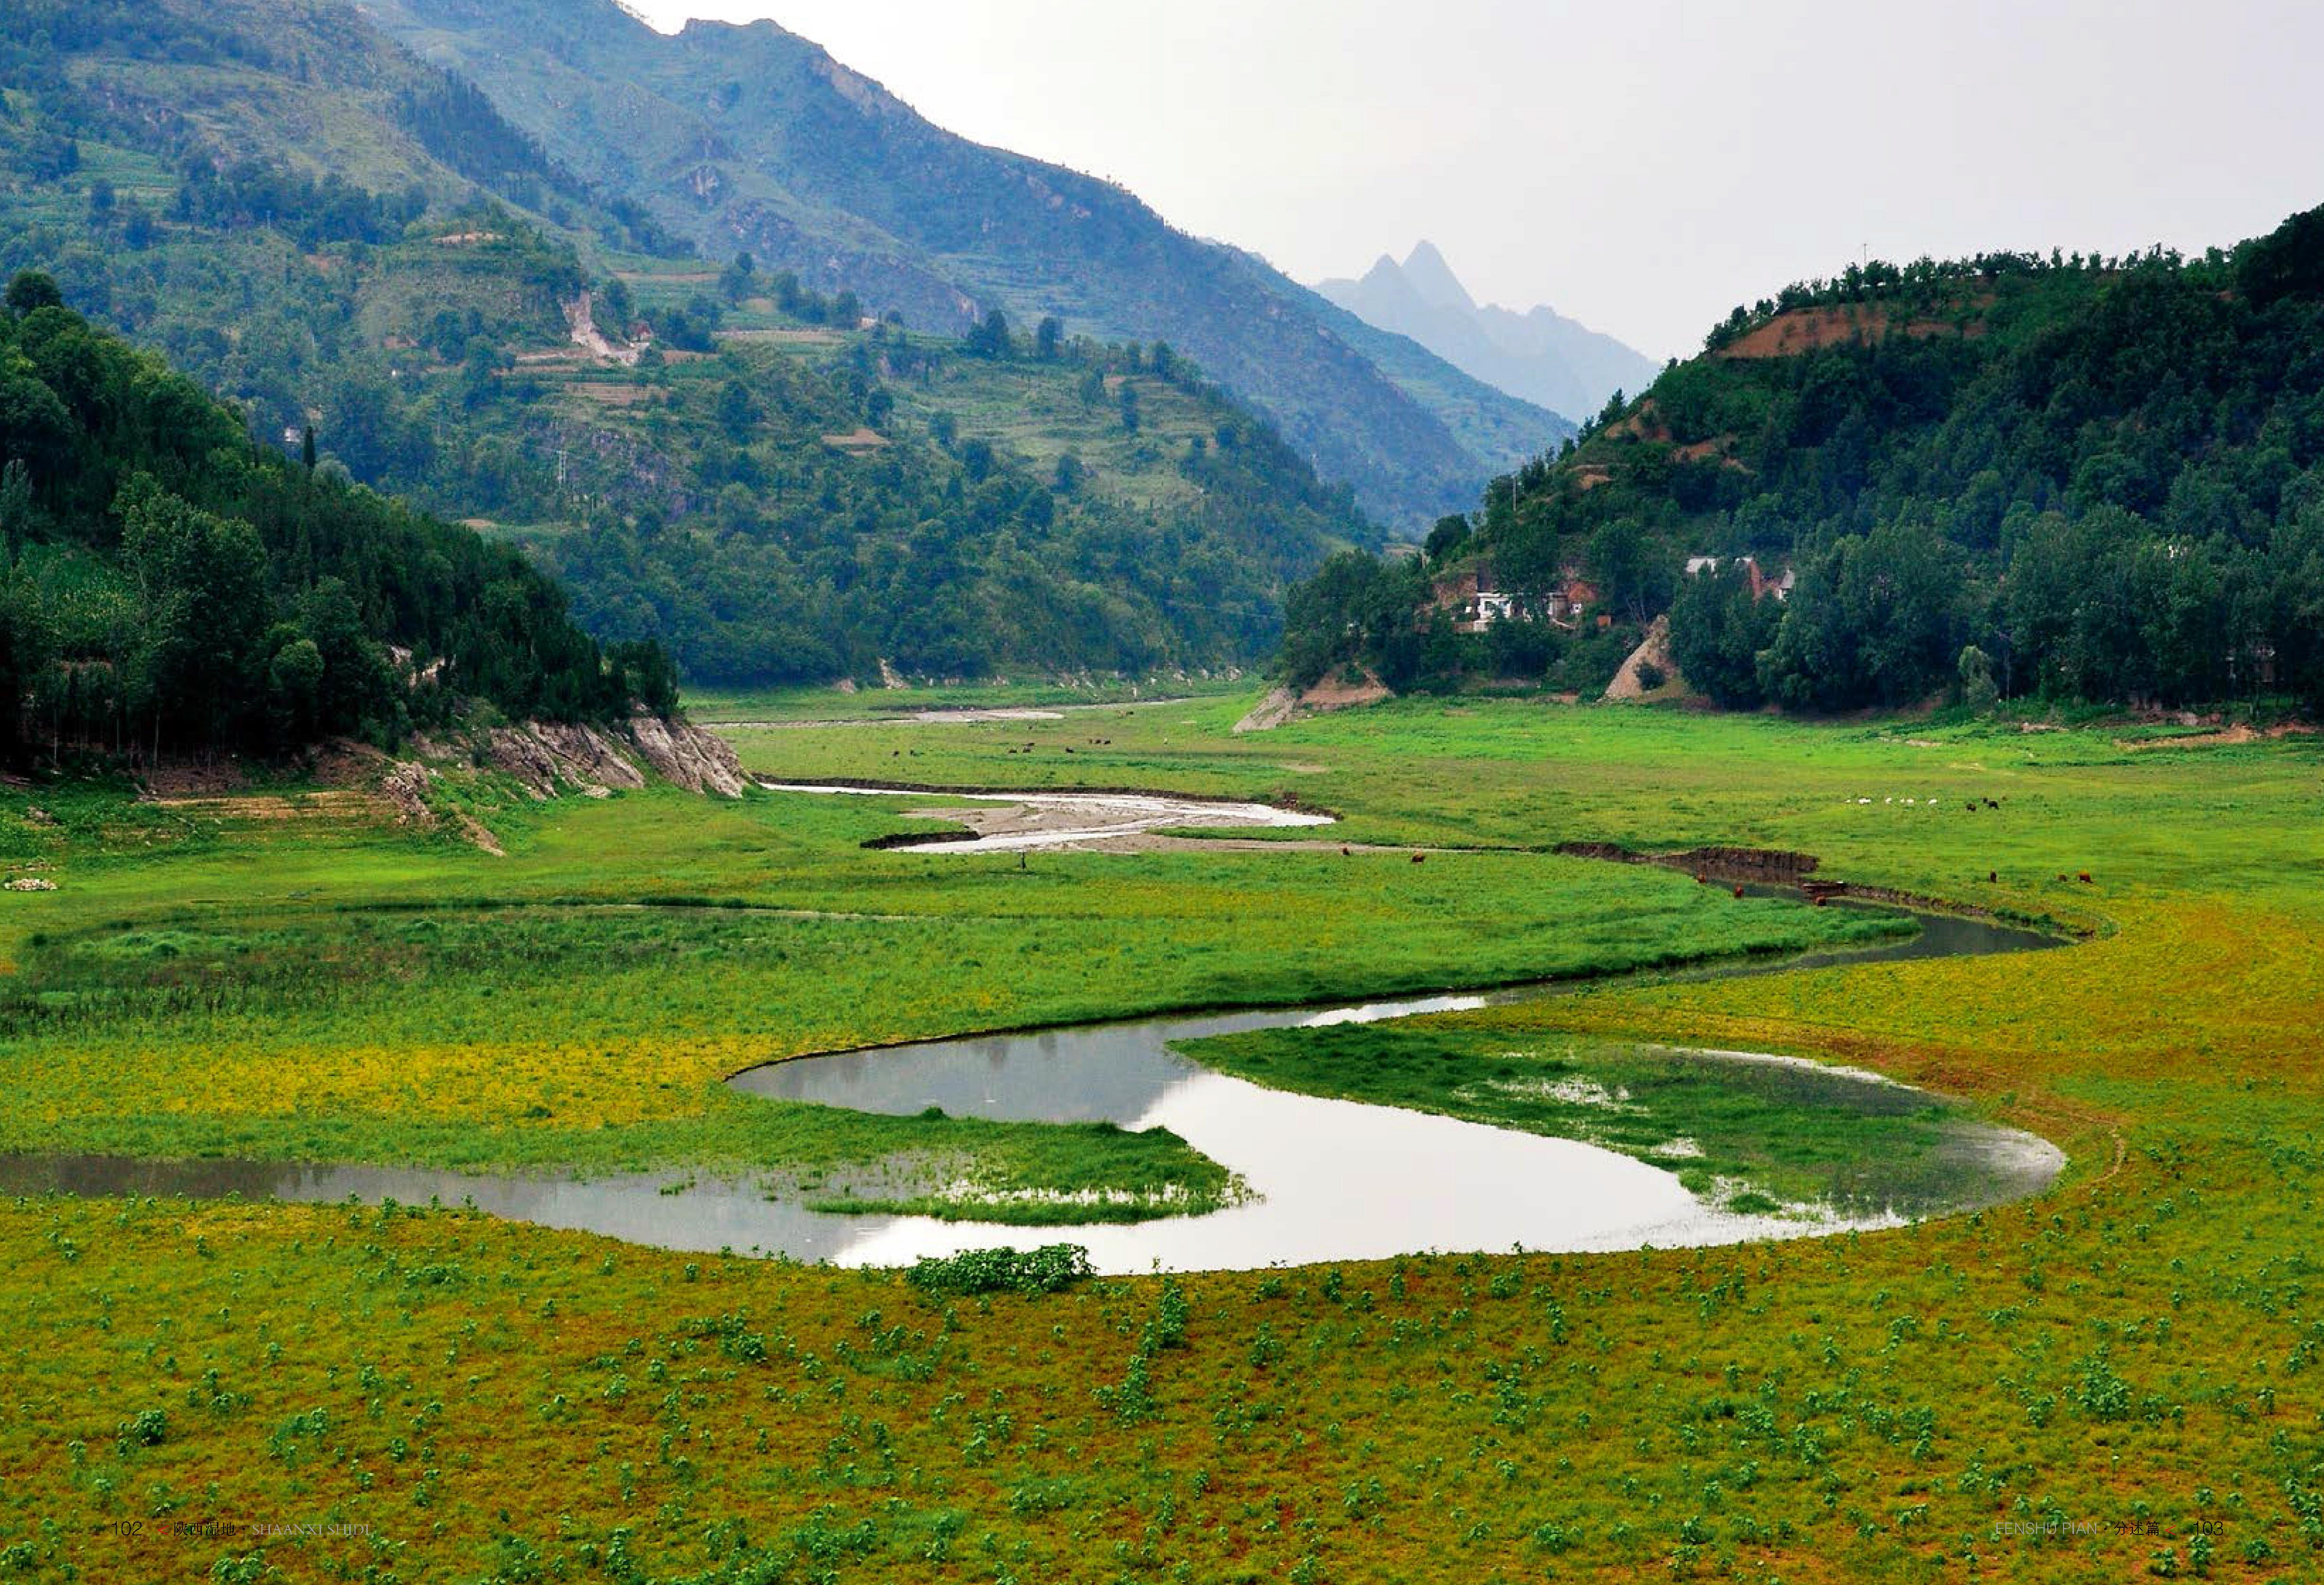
x=1324 y=1180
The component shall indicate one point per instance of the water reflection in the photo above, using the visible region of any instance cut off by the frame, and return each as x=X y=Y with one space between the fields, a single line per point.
x=1331 y=1180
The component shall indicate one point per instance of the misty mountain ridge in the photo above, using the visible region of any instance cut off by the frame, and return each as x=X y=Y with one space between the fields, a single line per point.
x=1539 y=355
x=752 y=139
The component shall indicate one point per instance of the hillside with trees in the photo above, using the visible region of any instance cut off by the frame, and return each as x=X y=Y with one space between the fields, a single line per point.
x=169 y=588
x=780 y=485
x=2060 y=478
x=749 y=138
x=821 y=500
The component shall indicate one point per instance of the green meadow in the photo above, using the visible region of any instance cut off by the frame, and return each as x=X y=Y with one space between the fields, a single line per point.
x=2115 y=1380
x=809 y=703
x=292 y=979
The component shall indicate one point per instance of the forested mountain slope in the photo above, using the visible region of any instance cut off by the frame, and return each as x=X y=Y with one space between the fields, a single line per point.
x=753 y=139
x=169 y=587
x=2063 y=476
x=339 y=236
x=831 y=499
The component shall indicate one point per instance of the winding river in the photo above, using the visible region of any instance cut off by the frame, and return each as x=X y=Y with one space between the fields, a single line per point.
x=1326 y=1180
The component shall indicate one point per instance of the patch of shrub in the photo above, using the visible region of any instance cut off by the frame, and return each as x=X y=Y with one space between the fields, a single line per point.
x=1049 y=1269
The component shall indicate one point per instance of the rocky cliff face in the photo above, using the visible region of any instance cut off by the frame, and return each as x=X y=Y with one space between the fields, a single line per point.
x=688 y=756
x=551 y=757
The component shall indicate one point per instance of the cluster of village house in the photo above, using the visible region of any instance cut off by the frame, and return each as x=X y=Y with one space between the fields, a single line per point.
x=1475 y=597
x=1762 y=584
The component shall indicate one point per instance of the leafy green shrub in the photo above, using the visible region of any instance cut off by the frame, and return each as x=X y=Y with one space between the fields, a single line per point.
x=1167 y=1330
x=2102 y=1394
x=145 y=1429
x=1049 y=1269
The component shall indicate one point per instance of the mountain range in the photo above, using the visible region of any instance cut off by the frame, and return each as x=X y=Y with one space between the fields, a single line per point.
x=1540 y=355
x=748 y=138
x=347 y=241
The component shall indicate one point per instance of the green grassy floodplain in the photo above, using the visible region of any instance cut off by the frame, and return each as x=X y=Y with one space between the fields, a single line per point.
x=809 y=703
x=219 y=981
x=2114 y=1380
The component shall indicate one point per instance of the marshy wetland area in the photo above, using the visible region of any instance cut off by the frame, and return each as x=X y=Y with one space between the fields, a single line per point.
x=1711 y=1233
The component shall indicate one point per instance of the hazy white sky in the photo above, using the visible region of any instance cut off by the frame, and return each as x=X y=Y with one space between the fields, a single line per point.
x=1642 y=166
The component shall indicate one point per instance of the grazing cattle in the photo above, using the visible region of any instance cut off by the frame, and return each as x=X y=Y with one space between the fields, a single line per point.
x=1992 y=874
x=1347 y=852
x=1739 y=891
x=1701 y=878
x=1420 y=858
x=2086 y=877
x=1970 y=806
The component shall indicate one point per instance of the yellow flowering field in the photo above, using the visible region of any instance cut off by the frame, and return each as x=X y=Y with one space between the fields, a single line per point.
x=2118 y=1380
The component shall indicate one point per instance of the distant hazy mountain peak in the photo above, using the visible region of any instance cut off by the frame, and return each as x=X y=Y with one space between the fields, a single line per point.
x=1536 y=353
x=1433 y=279
x=1386 y=283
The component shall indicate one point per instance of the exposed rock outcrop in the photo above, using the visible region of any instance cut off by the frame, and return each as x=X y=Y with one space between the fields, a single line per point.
x=686 y=756
x=551 y=759
x=547 y=757
x=520 y=752
x=440 y=781
x=1339 y=691
x=1654 y=650
x=1335 y=692
x=1271 y=712
x=405 y=785
x=583 y=756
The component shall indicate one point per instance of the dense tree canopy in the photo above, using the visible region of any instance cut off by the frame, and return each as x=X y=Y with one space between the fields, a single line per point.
x=168 y=586
x=762 y=552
